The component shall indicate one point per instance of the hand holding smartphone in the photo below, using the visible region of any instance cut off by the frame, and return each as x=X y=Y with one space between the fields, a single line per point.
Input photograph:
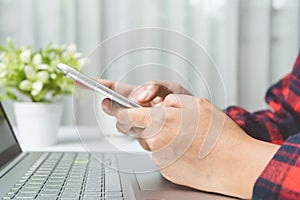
x=94 y=85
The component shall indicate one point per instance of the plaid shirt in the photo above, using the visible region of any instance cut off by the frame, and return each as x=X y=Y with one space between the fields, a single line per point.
x=281 y=125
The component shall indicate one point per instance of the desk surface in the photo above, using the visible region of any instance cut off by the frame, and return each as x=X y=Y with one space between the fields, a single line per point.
x=90 y=139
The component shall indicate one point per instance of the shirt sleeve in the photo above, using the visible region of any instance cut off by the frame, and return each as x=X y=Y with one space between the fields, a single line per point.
x=281 y=178
x=282 y=119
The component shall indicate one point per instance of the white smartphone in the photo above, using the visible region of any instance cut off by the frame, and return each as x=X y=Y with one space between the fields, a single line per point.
x=94 y=85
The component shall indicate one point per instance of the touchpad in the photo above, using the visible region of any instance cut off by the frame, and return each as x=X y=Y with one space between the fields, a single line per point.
x=155 y=181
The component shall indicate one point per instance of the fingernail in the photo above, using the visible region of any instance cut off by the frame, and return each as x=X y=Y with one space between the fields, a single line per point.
x=143 y=95
x=104 y=109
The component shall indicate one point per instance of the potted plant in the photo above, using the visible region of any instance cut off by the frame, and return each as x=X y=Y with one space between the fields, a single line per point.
x=30 y=78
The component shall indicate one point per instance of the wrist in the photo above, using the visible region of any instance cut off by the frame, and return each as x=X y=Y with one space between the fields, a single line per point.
x=252 y=159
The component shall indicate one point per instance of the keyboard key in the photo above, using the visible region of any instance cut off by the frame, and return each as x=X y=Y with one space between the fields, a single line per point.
x=70 y=176
x=22 y=181
x=27 y=192
x=93 y=189
x=25 y=198
x=39 y=179
x=51 y=191
x=72 y=192
x=69 y=195
x=31 y=187
x=113 y=194
x=25 y=195
x=112 y=182
x=113 y=198
x=11 y=193
x=45 y=195
x=8 y=196
x=95 y=195
x=15 y=189
x=35 y=182
x=91 y=193
x=45 y=198
x=55 y=181
x=51 y=187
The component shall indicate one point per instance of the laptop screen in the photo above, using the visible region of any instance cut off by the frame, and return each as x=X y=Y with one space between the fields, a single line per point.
x=9 y=147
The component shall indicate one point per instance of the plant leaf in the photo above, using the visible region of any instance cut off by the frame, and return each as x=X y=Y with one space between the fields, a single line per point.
x=10 y=94
x=2 y=97
x=2 y=48
x=10 y=44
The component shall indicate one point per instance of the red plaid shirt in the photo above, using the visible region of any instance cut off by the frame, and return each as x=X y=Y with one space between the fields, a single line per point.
x=280 y=125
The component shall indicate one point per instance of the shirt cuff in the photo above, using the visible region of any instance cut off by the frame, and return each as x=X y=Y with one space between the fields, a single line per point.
x=281 y=178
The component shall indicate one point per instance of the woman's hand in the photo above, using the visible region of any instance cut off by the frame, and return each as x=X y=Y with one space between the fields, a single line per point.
x=197 y=145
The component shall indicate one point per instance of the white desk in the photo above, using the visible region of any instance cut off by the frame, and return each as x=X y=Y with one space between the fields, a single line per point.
x=90 y=139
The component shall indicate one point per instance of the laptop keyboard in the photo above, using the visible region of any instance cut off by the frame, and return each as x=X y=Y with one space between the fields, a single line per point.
x=69 y=176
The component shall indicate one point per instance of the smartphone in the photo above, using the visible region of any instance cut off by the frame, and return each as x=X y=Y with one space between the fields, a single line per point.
x=94 y=85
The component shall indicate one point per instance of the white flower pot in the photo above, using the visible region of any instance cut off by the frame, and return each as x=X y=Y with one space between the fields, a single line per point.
x=37 y=123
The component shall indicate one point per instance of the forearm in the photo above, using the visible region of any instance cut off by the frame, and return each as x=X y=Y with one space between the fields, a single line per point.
x=242 y=164
x=252 y=159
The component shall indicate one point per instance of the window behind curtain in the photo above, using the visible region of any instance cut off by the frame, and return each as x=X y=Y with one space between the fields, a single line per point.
x=253 y=43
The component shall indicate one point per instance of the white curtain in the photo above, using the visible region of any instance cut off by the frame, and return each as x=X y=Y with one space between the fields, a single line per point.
x=252 y=43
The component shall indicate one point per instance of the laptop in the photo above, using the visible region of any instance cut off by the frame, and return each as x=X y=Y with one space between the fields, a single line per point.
x=80 y=175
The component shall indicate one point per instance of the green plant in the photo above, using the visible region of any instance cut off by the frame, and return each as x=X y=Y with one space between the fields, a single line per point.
x=28 y=75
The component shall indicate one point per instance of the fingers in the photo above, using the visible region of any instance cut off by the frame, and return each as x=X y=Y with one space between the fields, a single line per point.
x=172 y=100
x=107 y=83
x=124 y=89
x=121 y=88
x=151 y=90
x=123 y=128
x=146 y=123
x=110 y=107
x=182 y=101
x=80 y=85
x=107 y=106
x=144 y=117
x=135 y=131
x=144 y=144
x=136 y=117
x=163 y=123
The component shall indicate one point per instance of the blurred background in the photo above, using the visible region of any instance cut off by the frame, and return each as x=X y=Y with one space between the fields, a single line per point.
x=253 y=43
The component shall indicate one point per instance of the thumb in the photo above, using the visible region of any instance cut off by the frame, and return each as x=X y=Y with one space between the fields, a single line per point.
x=188 y=102
x=150 y=90
x=172 y=100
